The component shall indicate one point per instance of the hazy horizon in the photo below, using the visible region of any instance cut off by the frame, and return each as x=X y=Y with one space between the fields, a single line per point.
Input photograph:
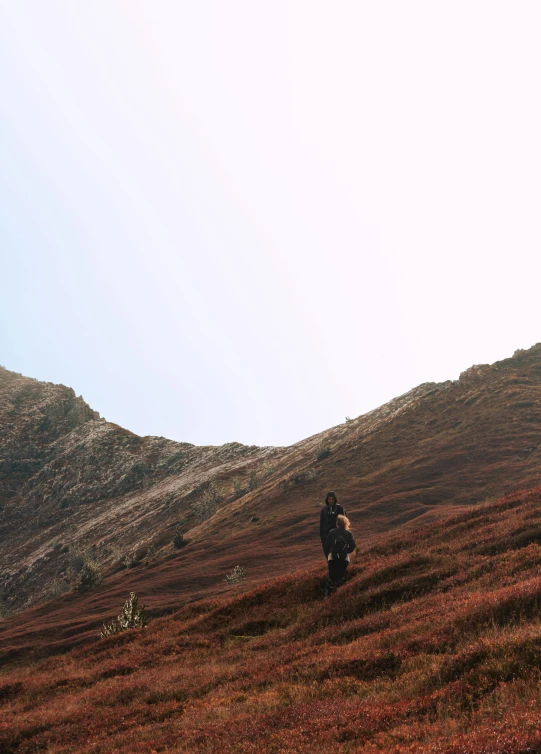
x=247 y=222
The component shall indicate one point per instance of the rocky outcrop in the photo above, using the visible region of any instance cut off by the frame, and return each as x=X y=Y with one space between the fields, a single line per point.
x=32 y=416
x=474 y=372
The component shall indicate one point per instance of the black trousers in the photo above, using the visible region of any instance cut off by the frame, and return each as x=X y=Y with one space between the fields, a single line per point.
x=337 y=573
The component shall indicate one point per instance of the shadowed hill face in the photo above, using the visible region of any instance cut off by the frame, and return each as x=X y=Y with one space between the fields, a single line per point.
x=33 y=415
x=74 y=487
x=433 y=644
x=95 y=491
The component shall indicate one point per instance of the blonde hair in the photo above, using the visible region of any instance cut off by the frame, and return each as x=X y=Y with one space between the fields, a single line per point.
x=343 y=522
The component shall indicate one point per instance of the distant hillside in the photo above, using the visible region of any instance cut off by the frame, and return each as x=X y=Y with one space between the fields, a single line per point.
x=74 y=487
x=432 y=645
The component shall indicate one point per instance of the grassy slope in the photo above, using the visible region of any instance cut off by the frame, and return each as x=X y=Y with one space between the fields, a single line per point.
x=420 y=456
x=433 y=645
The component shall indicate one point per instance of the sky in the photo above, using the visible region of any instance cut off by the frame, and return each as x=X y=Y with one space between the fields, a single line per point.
x=245 y=221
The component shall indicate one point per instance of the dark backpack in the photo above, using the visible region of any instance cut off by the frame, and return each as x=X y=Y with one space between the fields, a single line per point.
x=339 y=548
x=329 y=515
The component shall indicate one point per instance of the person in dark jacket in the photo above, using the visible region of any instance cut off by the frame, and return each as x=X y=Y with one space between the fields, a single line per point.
x=338 y=545
x=327 y=518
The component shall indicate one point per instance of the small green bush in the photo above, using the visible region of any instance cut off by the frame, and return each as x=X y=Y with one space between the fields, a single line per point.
x=57 y=586
x=77 y=559
x=131 y=616
x=209 y=502
x=130 y=560
x=179 y=540
x=236 y=576
x=304 y=477
x=89 y=577
x=253 y=480
x=238 y=489
x=322 y=452
x=213 y=496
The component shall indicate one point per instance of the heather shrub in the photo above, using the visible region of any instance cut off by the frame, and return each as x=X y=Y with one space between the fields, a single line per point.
x=89 y=577
x=430 y=647
x=322 y=452
x=213 y=495
x=238 y=489
x=77 y=559
x=268 y=470
x=179 y=540
x=236 y=576
x=253 y=480
x=209 y=502
x=130 y=560
x=132 y=616
x=304 y=477
x=57 y=586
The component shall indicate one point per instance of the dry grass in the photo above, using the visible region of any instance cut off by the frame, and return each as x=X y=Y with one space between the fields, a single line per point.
x=433 y=645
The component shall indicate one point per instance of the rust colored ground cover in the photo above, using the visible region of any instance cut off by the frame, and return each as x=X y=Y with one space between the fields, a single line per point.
x=75 y=487
x=432 y=645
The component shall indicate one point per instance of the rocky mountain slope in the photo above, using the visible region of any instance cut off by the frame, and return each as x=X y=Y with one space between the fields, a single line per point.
x=74 y=487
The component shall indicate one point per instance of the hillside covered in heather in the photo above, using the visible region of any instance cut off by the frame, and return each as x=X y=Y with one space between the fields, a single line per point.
x=76 y=488
x=432 y=645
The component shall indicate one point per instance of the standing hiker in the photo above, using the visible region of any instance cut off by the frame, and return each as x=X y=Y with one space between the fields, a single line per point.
x=327 y=518
x=339 y=544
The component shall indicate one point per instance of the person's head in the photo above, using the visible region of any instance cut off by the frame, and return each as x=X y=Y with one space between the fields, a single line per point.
x=331 y=498
x=343 y=522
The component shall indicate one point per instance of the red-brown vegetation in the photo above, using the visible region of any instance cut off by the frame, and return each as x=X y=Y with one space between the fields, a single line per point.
x=432 y=645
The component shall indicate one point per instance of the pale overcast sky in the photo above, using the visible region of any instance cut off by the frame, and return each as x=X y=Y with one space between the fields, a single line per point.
x=243 y=221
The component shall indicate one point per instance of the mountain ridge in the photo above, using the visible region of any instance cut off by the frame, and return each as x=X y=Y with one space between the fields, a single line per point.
x=72 y=484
